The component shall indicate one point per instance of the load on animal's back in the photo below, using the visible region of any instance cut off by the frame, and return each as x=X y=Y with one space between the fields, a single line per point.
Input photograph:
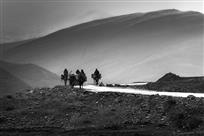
x=96 y=76
x=81 y=78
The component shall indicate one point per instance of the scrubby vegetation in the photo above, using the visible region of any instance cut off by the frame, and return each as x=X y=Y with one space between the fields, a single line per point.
x=67 y=109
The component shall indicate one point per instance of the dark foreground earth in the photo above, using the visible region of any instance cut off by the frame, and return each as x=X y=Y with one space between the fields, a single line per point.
x=93 y=132
x=62 y=111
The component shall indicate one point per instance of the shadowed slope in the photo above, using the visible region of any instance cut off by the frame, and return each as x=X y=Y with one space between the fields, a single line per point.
x=10 y=84
x=32 y=75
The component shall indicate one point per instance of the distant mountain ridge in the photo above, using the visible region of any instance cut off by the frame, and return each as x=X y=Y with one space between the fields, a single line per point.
x=125 y=48
x=30 y=74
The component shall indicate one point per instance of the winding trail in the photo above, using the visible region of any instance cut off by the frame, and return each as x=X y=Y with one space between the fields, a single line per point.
x=94 y=88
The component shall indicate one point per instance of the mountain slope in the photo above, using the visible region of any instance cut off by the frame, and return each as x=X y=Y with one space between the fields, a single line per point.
x=32 y=75
x=10 y=84
x=126 y=48
x=11 y=45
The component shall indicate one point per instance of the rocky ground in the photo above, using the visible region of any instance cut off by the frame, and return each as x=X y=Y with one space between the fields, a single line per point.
x=65 y=111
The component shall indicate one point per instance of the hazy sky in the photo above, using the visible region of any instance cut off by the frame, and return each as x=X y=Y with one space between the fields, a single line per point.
x=22 y=19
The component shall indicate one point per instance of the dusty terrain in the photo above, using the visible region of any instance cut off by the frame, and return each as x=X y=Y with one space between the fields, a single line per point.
x=65 y=111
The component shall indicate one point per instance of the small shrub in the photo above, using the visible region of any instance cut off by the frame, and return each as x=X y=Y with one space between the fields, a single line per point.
x=117 y=85
x=9 y=97
x=113 y=127
x=109 y=85
x=2 y=120
x=191 y=97
x=87 y=121
x=9 y=108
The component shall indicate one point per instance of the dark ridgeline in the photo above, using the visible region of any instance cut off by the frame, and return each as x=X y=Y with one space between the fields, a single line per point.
x=74 y=79
x=96 y=76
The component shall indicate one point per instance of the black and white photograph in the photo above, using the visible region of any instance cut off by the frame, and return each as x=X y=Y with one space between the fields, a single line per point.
x=101 y=68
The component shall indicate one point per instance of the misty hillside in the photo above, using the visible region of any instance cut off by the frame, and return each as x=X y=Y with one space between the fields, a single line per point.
x=32 y=75
x=10 y=84
x=7 y=46
x=126 y=48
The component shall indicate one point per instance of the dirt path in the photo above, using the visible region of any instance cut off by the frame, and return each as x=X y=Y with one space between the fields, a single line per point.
x=139 y=91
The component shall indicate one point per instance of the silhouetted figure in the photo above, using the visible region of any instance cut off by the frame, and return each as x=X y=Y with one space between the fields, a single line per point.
x=72 y=80
x=96 y=76
x=84 y=78
x=64 y=77
x=81 y=78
